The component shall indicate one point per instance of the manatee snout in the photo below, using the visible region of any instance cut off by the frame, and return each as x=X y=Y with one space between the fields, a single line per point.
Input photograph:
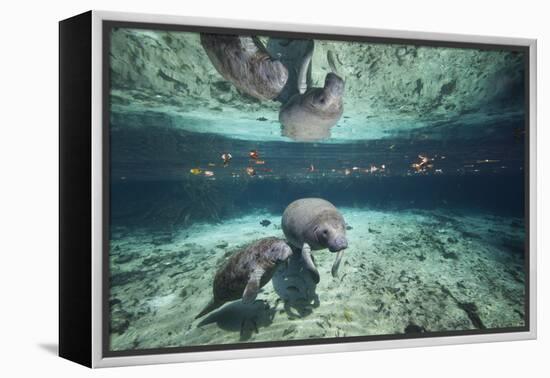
x=331 y=236
x=338 y=243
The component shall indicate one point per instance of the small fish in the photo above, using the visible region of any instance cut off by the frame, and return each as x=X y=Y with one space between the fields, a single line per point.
x=254 y=154
x=211 y=164
x=311 y=168
x=265 y=223
x=195 y=171
x=261 y=119
x=487 y=161
x=208 y=173
x=355 y=168
x=260 y=162
x=347 y=172
x=250 y=171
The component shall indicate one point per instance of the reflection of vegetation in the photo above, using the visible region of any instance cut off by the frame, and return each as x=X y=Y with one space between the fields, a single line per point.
x=204 y=200
x=209 y=199
x=176 y=203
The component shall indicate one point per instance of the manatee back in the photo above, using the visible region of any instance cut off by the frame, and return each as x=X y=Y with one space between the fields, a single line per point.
x=231 y=279
x=245 y=62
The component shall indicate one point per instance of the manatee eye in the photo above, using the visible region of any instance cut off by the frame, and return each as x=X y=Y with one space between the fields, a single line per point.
x=322 y=100
x=325 y=232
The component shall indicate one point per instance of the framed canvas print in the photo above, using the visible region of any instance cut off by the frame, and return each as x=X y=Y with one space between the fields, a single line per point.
x=235 y=188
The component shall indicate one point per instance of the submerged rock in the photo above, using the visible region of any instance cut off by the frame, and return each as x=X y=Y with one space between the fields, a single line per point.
x=470 y=309
x=289 y=330
x=412 y=328
x=125 y=258
x=120 y=321
x=452 y=240
x=450 y=255
x=222 y=245
x=123 y=278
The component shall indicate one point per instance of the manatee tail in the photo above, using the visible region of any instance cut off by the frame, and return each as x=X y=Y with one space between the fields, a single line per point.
x=211 y=306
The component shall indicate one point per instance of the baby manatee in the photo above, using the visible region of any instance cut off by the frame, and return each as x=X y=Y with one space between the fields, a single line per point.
x=246 y=271
x=245 y=62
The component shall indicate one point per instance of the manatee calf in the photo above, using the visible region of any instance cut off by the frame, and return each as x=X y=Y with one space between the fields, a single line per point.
x=310 y=114
x=245 y=62
x=246 y=272
x=314 y=224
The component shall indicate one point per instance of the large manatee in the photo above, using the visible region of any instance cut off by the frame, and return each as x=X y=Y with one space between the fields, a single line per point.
x=315 y=224
x=245 y=62
x=310 y=114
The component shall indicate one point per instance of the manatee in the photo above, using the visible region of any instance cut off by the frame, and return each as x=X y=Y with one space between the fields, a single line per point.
x=312 y=224
x=310 y=113
x=245 y=62
x=291 y=53
x=246 y=271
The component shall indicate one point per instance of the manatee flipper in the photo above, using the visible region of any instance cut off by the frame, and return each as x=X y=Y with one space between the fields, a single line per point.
x=336 y=263
x=302 y=75
x=253 y=286
x=211 y=306
x=310 y=265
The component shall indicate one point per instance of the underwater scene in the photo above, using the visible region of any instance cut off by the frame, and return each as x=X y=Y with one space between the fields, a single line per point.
x=270 y=189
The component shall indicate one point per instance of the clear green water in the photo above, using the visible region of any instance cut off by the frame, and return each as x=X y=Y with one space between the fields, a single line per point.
x=431 y=249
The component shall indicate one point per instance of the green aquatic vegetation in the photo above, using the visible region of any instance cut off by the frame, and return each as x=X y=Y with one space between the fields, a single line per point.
x=348 y=315
x=208 y=199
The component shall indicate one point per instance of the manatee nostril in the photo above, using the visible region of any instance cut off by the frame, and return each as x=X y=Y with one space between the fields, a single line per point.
x=342 y=243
